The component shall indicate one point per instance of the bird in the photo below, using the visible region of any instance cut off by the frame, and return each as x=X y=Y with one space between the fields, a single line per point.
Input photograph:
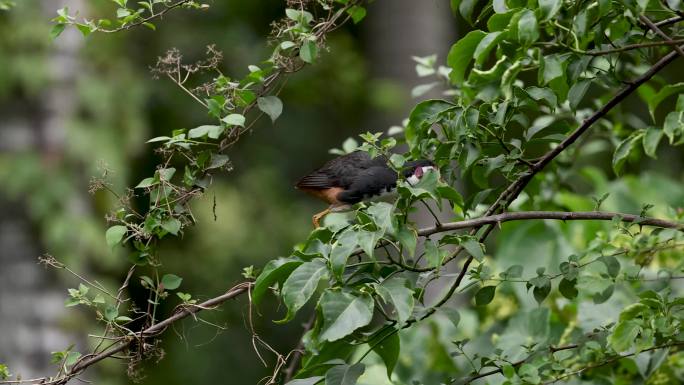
x=356 y=177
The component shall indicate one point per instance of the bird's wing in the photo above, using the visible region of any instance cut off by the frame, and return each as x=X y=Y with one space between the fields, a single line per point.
x=338 y=172
x=317 y=180
x=368 y=183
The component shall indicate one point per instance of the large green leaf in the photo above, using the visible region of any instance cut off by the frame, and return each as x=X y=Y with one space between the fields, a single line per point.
x=388 y=349
x=115 y=234
x=306 y=381
x=367 y=241
x=341 y=250
x=577 y=92
x=408 y=239
x=549 y=8
x=674 y=125
x=343 y=313
x=344 y=374
x=661 y=95
x=623 y=150
x=461 y=54
x=301 y=284
x=528 y=29
x=485 y=46
x=553 y=67
x=275 y=271
x=485 y=295
x=381 y=212
x=433 y=254
x=394 y=291
x=623 y=336
x=271 y=106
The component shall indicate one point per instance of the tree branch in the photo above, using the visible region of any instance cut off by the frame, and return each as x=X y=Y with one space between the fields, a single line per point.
x=183 y=312
x=662 y=34
x=557 y=215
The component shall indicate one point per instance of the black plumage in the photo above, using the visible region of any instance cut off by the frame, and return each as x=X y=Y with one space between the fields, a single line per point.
x=355 y=176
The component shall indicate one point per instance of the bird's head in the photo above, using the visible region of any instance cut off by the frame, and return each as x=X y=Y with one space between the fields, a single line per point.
x=414 y=170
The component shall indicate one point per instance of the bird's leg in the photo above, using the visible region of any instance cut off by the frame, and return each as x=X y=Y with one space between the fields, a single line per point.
x=316 y=218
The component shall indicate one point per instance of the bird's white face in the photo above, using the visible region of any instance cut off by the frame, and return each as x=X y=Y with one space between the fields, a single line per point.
x=418 y=174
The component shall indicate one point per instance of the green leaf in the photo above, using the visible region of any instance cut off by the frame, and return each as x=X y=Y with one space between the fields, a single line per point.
x=623 y=150
x=166 y=174
x=301 y=284
x=388 y=349
x=528 y=30
x=514 y=271
x=529 y=374
x=577 y=92
x=674 y=125
x=426 y=187
x=461 y=54
x=85 y=29
x=499 y=6
x=114 y=235
x=500 y=21
x=452 y=314
x=549 y=8
x=234 y=120
x=368 y=240
x=485 y=46
x=57 y=30
x=212 y=132
x=344 y=374
x=343 y=313
x=381 y=212
x=466 y=8
x=508 y=371
x=542 y=287
x=568 y=288
x=661 y=95
x=485 y=295
x=474 y=248
x=634 y=310
x=409 y=239
x=394 y=291
x=306 y=381
x=623 y=335
x=4 y=372
x=147 y=182
x=271 y=106
x=172 y=225
x=612 y=265
x=171 y=281
x=433 y=254
x=341 y=250
x=552 y=69
x=543 y=94
x=357 y=13
x=605 y=295
x=111 y=313
x=309 y=51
